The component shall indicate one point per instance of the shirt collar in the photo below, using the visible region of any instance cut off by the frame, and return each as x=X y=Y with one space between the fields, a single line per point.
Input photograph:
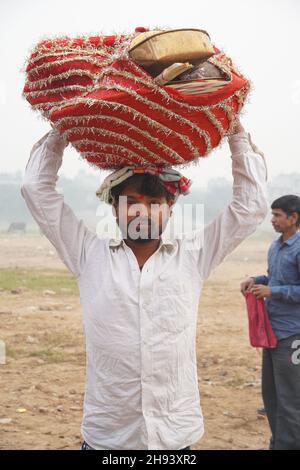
x=164 y=241
x=291 y=240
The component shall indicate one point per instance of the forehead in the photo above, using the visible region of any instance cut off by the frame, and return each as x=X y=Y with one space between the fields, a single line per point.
x=278 y=212
x=131 y=192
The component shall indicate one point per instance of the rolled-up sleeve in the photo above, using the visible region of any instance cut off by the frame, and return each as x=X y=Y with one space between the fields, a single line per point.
x=248 y=208
x=261 y=280
x=57 y=221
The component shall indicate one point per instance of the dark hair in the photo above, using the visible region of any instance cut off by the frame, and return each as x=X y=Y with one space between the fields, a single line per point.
x=288 y=204
x=143 y=183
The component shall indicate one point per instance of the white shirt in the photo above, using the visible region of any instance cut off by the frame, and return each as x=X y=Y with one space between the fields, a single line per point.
x=140 y=326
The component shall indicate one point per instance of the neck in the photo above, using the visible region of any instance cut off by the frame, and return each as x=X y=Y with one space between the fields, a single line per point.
x=289 y=233
x=145 y=248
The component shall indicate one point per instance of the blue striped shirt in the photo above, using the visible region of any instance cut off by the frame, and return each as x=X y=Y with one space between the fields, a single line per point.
x=283 y=279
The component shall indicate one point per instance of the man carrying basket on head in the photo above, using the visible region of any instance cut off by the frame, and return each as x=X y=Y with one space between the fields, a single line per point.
x=140 y=293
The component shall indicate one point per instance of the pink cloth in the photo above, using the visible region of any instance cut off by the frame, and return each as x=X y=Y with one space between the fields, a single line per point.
x=260 y=330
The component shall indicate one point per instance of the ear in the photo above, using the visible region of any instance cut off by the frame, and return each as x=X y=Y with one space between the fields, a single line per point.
x=295 y=216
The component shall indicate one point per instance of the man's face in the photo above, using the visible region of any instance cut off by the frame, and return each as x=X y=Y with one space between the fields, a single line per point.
x=141 y=218
x=281 y=221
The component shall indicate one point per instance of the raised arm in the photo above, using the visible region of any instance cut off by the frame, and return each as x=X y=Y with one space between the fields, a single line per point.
x=247 y=210
x=57 y=221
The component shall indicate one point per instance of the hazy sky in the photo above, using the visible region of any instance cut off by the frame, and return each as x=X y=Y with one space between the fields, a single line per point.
x=262 y=37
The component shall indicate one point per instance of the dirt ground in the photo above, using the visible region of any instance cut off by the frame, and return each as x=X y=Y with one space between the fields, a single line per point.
x=42 y=382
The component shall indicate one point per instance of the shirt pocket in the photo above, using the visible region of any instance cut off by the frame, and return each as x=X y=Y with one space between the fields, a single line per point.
x=289 y=269
x=173 y=312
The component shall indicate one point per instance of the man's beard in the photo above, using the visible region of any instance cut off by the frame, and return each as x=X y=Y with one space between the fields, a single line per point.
x=142 y=234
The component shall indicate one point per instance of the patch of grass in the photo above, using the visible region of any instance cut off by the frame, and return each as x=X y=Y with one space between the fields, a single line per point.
x=36 y=279
x=53 y=347
x=57 y=356
x=13 y=352
x=61 y=339
x=236 y=381
x=48 y=355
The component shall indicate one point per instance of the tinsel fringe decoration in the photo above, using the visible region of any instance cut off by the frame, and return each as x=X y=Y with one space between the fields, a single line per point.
x=115 y=114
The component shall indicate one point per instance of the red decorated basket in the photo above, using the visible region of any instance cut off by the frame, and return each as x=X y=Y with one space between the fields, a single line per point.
x=115 y=114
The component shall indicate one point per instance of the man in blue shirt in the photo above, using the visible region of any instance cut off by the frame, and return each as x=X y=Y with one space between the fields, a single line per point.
x=281 y=291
